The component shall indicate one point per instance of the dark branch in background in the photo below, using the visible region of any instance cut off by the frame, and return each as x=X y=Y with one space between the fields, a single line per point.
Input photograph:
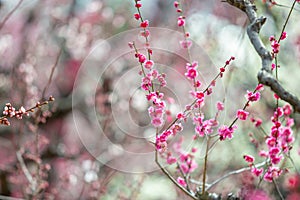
x=265 y=74
x=52 y=73
x=10 y=13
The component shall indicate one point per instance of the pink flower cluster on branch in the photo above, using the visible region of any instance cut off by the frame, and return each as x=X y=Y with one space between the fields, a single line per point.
x=265 y=75
x=11 y=112
x=241 y=114
x=186 y=43
x=279 y=142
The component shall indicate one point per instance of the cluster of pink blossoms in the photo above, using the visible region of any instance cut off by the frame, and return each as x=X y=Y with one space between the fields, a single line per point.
x=186 y=161
x=157 y=110
x=186 y=43
x=204 y=127
x=161 y=140
x=227 y=132
x=10 y=111
x=279 y=142
x=276 y=46
x=150 y=75
x=191 y=70
x=254 y=96
x=275 y=43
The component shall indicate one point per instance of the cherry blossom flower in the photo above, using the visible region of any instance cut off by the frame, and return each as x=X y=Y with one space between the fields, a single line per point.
x=257 y=172
x=145 y=33
x=176 y=4
x=226 y=132
x=248 y=158
x=220 y=106
x=171 y=160
x=137 y=16
x=181 y=181
x=138 y=5
x=142 y=58
x=148 y=64
x=185 y=44
x=144 y=24
x=253 y=96
x=180 y=21
x=242 y=114
x=283 y=35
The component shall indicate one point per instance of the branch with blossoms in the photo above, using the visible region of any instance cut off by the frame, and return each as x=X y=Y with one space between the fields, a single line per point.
x=265 y=74
x=279 y=141
x=11 y=112
x=203 y=128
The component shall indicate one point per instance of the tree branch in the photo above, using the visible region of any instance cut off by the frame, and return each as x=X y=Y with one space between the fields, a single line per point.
x=10 y=14
x=233 y=173
x=31 y=180
x=172 y=178
x=265 y=74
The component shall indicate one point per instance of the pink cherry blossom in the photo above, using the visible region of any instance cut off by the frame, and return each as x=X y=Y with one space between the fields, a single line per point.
x=257 y=172
x=242 y=114
x=180 y=21
x=185 y=44
x=220 y=106
x=191 y=73
x=253 y=96
x=142 y=58
x=226 y=132
x=283 y=35
x=248 y=158
x=144 y=24
x=176 y=4
x=148 y=64
x=181 y=181
x=137 y=16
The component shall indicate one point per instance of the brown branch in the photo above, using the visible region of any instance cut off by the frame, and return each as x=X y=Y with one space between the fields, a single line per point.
x=172 y=178
x=52 y=73
x=278 y=190
x=10 y=14
x=185 y=176
x=209 y=186
x=29 y=177
x=265 y=74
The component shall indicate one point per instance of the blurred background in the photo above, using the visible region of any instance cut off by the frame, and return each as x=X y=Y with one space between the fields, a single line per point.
x=92 y=142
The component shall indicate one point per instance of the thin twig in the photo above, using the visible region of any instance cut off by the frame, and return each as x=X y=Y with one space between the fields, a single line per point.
x=285 y=6
x=293 y=163
x=172 y=178
x=232 y=173
x=26 y=172
x=10 y=14
x=205 y=166
x=277 y=189
x=52 y=72
x=286 y=21
x=185 y=177
x=9 y=198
